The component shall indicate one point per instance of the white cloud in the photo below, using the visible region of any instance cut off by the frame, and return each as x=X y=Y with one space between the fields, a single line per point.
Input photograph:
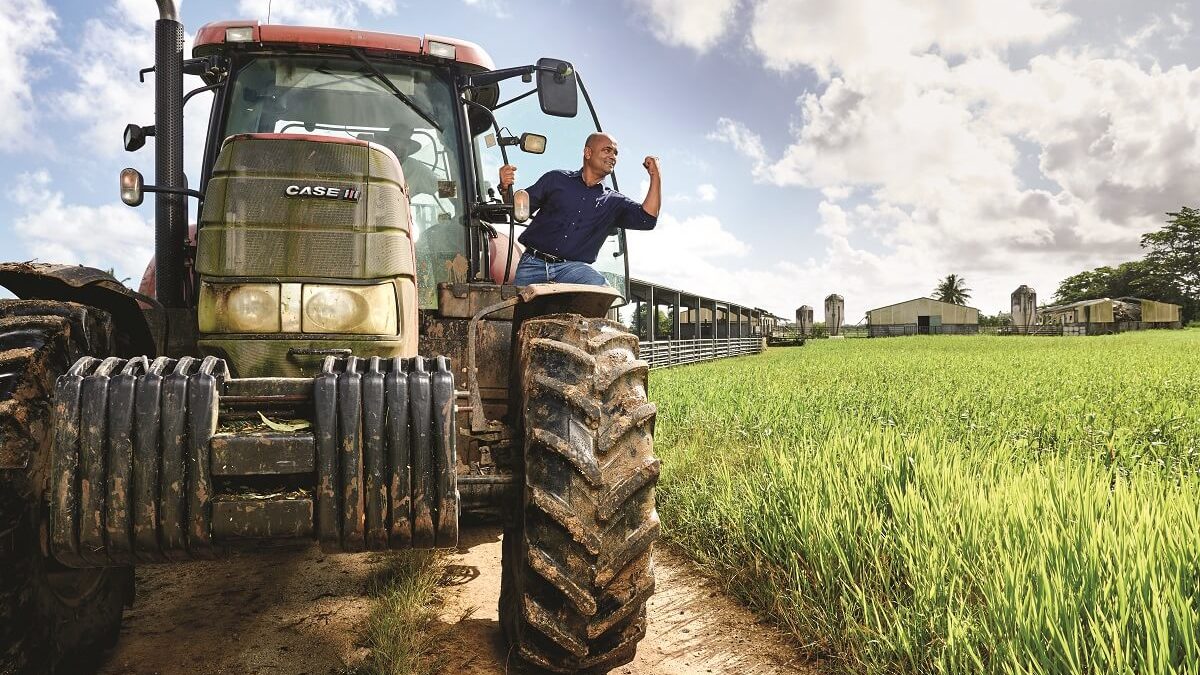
x=26 y=29
x=699 y=255
x=493 y=6
x=106 y=94
x=696 y=24
x=837 y=193
x=379 y=7
x=1139 y=37
x=705 y=192
x=315 y=12
x=877 y=34
x=743 y=140
x=698 y=237
x=689 y=254
x=1170 y=30
x=919 y=136
x=141 y=13
x=907 y=268
x=112 y=235
x=1181 y=23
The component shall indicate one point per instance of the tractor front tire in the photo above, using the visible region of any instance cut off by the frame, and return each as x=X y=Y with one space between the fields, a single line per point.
x=578 y=551
x=52 y=618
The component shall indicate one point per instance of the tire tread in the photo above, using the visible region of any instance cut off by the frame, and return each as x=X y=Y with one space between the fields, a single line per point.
x=39 y=340
x=577 y=583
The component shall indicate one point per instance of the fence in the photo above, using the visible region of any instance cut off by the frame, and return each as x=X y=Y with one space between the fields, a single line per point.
x=1059 y=329
x=787 y=337
x=1053 y=329
x=898 y=330
x=663 y=353
x=792 y=336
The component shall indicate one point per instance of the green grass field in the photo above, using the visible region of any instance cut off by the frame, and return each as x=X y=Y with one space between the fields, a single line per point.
x=950 y=504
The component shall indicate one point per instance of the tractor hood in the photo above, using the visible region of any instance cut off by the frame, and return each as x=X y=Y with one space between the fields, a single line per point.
x=298 y=205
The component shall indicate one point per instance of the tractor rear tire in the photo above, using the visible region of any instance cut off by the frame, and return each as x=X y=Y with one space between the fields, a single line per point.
x=52 y=618
x=578 y=552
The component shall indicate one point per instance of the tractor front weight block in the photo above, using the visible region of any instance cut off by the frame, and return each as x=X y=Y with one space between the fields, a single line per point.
x=160 y=459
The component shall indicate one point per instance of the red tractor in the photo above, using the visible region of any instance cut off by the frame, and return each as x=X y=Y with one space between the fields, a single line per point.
x=348 y=270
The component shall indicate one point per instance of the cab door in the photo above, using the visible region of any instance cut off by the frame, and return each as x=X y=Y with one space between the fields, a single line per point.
x=518 y=112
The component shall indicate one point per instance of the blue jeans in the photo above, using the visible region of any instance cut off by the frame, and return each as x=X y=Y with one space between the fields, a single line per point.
x=533 y=270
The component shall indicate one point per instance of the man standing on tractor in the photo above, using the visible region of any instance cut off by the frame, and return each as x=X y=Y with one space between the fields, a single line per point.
x=574 y=213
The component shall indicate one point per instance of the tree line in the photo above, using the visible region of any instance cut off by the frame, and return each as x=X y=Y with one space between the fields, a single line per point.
x=1168 y=272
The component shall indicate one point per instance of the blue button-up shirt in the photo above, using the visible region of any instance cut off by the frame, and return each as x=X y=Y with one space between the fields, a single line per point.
x=571 y=219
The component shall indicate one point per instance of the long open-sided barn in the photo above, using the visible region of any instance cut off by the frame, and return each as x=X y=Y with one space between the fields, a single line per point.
x=922 y=316
x=1102 y=316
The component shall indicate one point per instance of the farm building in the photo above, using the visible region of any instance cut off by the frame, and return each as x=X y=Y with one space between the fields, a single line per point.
x=1106 y=315
x=1024 y=309
x=1158 y=313
x=767 y=322
x=1099 y=311
x=922 y=316
x=804 y=319
x=835 y=312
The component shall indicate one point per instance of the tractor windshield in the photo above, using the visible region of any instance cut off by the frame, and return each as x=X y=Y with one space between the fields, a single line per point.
x=344 y=97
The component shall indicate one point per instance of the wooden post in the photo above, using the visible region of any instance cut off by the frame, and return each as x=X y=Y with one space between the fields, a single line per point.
x=651 y=317
x=676 y=331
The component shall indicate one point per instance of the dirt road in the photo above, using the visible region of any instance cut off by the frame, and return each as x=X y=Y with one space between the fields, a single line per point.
x=293 y=612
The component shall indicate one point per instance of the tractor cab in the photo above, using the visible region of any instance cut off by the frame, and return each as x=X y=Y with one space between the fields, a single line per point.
x=369 y=159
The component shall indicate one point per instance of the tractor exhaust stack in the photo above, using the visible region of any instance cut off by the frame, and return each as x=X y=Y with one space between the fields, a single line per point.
x=170 y=214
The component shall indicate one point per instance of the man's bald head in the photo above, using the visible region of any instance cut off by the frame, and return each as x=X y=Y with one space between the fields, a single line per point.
x=596 y=139
x=599 y=157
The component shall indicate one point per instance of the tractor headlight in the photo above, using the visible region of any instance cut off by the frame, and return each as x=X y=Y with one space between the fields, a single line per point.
x=239 y=34
x=349 y=309
x=321 y=308
x=239 y=308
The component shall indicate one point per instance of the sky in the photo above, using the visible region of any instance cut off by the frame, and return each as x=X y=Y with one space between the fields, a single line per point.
x=860 y=147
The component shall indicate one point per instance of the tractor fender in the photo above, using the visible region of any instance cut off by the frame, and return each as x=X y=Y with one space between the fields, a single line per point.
x=87 y=286
x=531 y=302
x=583 y=299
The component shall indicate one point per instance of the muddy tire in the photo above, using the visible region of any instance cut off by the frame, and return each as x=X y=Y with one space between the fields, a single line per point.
x=51 y=618
x=578 y=555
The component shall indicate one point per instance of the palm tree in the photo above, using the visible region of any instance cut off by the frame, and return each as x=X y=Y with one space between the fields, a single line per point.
x=952 y=289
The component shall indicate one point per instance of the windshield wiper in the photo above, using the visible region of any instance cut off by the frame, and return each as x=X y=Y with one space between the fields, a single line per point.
x=395 y=90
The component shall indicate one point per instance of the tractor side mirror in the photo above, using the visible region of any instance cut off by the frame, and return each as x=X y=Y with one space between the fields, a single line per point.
x=558 y=93
x=135 y=136
x=131 y=187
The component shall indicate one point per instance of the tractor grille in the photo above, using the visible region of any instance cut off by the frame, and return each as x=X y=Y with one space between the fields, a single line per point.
x=252 y=226
x=288 y=253
x=266 y=154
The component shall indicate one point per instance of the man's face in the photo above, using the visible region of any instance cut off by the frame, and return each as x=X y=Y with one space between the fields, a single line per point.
x=601 y=155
